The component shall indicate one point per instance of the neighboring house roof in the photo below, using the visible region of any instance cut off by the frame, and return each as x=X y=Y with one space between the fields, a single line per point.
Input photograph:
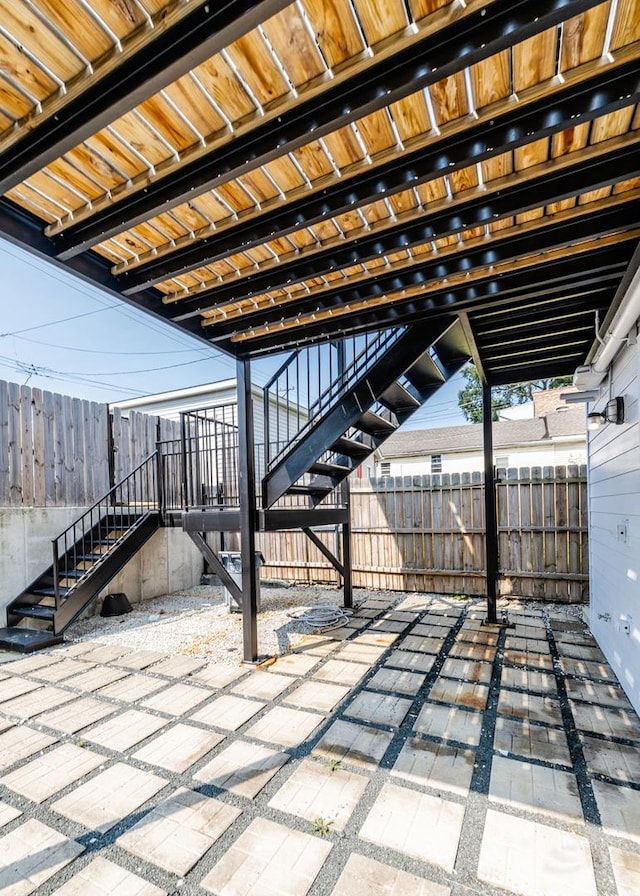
x=506 y=434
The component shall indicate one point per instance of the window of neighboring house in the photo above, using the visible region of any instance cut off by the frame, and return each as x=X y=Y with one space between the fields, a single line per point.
x=385 y=468
x=502 y=460
x=436 y=463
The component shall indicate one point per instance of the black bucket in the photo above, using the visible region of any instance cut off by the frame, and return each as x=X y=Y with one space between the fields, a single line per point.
x=115 y=605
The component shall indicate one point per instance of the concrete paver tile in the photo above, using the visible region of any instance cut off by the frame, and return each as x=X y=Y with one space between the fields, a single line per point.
x=262 y=685
x=533 y=707
x=535 y=788
x=399 y=818
x=284 y=726
x=95 y=678
x=581 y=652
x=316 y=791
x=178 y=666
x=394 y=626
x=527 y=645
x=460 y=693
x=125 y=730
x=132 y=688
x=376 y=638
x=626 y=871
x=139 y=659
x=355 y=744
x=10 y=688
x=66 y=668
x=400 y=615
x=587 y=669
x=362 y=875
x=534 y=859
x=72 y=717
x=467 y=670
x=450 y=723
x=532 y=741
x=540 y=661
x=295 y=663
x=607 y=720
x=228 y=712
x=102 y=877
x=105 y=653
x=177 y=699
x=8 y=813
x=50 y=773
x=614 y=760
x=570 y=637
x=619 y=809
x=341 y=672
x=109 y=797
x=319 y=696
x=602 y=693
x=467 y=651
x=486 y=637
x=31 y=663
x=317 y=645
x=381 y=709
x=242 y=768
x=178 y=748
x=253 y=866
x=20 y=742
x=31 y=854
x=77 y=649
x=440 y=766
x=529 y=680
x=179 y=830
x=430 y=630
x=411 y=660
x=360 y=653
x=421 y=644
x=398 y=681
x=29 y=705
x=215 y=675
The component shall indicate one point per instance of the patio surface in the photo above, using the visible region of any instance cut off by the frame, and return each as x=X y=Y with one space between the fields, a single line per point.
x=415 y=753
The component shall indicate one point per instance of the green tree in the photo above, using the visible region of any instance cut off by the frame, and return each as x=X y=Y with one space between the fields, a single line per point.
x=470 y=396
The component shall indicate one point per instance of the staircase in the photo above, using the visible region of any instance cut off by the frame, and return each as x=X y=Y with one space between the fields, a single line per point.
x=86 y=556
x=372 y=392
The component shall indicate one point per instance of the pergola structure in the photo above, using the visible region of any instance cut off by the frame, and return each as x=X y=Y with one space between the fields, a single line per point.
x=265 y=175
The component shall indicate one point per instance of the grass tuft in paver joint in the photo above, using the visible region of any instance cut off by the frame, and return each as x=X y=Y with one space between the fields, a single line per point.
x=321 y=826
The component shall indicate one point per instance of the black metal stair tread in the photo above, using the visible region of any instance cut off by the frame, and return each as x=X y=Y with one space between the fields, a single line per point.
x=309 y=490
x=49 y=592
x=399 y=399
x=375 y=425
x=25 y=640
x=425 y=374
x=325 y=469
x=350 y=447
x=73 y=573
x=35 y=611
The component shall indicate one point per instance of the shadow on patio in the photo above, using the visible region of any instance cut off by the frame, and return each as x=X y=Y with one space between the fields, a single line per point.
x=414 y=752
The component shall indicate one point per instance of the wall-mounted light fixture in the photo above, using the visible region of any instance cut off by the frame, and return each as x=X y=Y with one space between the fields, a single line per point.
x=613 y=413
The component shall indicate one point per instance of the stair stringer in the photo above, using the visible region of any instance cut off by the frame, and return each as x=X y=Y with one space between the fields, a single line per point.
x=347 y=409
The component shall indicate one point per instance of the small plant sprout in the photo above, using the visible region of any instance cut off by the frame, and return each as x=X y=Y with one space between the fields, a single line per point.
x=333 y=764
x=321 y=826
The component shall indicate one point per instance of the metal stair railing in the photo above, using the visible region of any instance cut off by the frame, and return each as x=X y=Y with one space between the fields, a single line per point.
x=297 y=394
x=132 y=498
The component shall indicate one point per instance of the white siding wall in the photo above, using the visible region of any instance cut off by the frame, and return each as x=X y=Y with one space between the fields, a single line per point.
x=614 y=507
x=544 y=455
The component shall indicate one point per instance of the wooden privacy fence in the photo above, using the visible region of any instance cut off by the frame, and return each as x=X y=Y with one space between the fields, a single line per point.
x=426 y=533
x=61 y=451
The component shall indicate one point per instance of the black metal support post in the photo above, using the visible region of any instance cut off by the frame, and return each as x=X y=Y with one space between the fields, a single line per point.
x=248 y=513
x=346 y=546
x=490 y=510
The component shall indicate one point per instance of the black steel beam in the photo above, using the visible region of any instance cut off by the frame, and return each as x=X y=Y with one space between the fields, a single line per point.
x=548 y=186
x=562 y=278
x=248 y=513
x=321 y=546
x=463 y=42
x=164 y=58
x=273 y=520
x=383 y=282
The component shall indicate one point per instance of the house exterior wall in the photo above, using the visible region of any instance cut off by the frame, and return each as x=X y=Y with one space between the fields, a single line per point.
x=554 y=454
x=614 y=525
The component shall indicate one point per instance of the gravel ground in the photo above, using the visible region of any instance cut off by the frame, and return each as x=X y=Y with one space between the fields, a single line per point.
x=196 y=621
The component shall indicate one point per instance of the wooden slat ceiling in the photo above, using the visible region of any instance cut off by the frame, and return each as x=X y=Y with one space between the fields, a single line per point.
x=262 y=174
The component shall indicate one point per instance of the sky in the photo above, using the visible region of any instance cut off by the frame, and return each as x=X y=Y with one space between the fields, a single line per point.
x=59 y=334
